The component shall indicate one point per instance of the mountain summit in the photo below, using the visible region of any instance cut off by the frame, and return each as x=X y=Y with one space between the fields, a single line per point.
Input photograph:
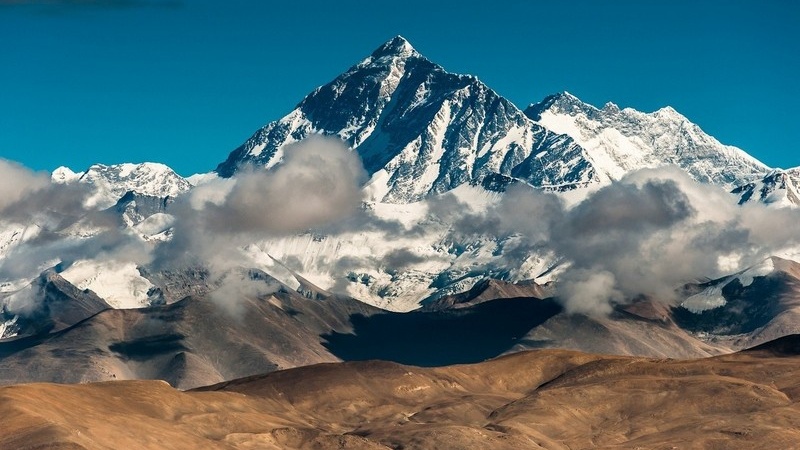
x=396 y=46
x=421 y=130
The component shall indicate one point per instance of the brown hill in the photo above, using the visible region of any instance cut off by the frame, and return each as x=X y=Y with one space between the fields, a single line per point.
x=194 y=342
x=199 y=340
x=553 y=399
x=190 y=343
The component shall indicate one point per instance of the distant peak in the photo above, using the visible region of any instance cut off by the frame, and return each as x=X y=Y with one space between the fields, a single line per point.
x=565 y=95
x=559 y=97
x=396 y=46
x=561 y=100
x=669 y=111
x=610 y=106
x=64 y=174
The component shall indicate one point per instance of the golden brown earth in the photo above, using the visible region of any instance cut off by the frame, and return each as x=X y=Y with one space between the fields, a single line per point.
x=553 y=399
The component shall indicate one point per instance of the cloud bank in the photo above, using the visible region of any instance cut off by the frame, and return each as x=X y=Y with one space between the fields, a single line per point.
x=644 y=235
x=318 y=183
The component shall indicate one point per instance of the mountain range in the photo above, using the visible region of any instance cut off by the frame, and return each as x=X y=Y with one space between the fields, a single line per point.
x=447 y=162
x=421 y=130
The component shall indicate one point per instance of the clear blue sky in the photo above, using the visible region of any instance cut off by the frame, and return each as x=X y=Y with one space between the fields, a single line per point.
x=184 y=82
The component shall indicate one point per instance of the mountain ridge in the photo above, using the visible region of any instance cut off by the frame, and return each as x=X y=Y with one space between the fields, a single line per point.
x=419 y=129
x=620 y=140
x=455 y=138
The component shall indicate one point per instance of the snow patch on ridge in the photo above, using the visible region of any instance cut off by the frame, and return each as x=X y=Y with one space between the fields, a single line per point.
x=617 y=141
x=761 y=269
x=112 y=182
x=64 y=174
x=709 y=298
x=117 y=282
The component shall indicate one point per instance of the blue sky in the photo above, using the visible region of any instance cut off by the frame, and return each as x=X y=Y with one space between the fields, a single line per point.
x=185 y=82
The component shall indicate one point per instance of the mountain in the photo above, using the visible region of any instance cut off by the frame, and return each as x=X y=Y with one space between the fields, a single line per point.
x=754 y=306
x=111 y=182
x=250 y=324
x=423 y=132
x=437 y=145
x=420 y=130
x=777 y=188
x=193 y=342
x=127 y=194
x=617 y=141
x=58 y=305
x=530 y=400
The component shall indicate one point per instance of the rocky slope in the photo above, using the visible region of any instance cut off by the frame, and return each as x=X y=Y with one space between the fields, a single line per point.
x=248 y=323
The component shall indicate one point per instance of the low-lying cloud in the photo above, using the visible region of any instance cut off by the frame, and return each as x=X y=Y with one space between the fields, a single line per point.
x=317 y=183
x=644 y=235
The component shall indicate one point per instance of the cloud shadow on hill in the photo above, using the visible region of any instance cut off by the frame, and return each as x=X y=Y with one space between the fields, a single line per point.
x=441 y=338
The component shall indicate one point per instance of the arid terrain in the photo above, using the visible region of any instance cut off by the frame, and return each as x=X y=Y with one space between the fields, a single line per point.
x=553 y=399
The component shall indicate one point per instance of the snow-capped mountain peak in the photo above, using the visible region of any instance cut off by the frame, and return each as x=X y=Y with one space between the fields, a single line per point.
x=64 y=174
x=777 y=188
x=618 y=141
x=111 y=182
x=397 y=46
x=420 y=130
x=561 y=101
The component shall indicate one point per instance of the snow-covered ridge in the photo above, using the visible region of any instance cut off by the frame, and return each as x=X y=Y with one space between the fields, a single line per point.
x=421 y=130
x=64 y=174
x=776 y=189
x=111 y=182
x=620 y=140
